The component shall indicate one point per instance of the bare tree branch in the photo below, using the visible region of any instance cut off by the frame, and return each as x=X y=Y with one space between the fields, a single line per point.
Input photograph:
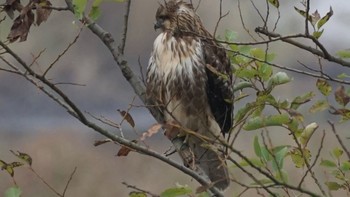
x=322 y=53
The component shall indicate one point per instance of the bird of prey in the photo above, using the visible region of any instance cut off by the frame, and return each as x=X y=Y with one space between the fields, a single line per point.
x=189 y=76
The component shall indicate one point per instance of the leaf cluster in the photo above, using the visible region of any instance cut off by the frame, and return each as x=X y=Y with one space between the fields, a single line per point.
x=25 y=16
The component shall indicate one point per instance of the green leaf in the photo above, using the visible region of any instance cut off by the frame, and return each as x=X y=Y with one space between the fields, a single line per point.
x=278 y=79
x=324 y=87
x=279 y=158
x=257 y=148
x=246 y=73
x=275 y=3
x=320 y=105
x=97 y=3
x=262 y=182
x=230 y=35
x=318 y=34
x=265 y=154
x=241 y=113
x=338 y=174
x=265 y=71
x=95 y=13
x=307 y=133
x=24 y=156
x=256 y=161
x=345 y=166
x=178 y=191
x=344 y=75
x=241 y=85
x=282 y=176
x=265 y=121
x=328 y=163
x=270 y=57
x=9 y=167
x=245 y=50
x=299 y=100
x=333 y=185
x=203 y=194
x=258 y=53
x=324 y=19
x=137 y=194
x=79 y=8
x=344 y=54
x=13 y=192
x=294 y=127
x=298 y=158
x=303 y=13
x=337 y=152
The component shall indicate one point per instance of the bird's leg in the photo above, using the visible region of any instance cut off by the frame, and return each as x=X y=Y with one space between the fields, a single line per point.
x=180 y=142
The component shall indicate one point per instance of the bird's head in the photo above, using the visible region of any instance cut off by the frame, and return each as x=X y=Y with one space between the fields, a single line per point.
x=177 y=16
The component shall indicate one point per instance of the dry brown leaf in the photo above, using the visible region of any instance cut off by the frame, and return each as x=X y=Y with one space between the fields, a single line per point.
x=21 y=25
x=11 y=6
x=171 y=131
x=340 y=96
x=155 y=128
x=201 y=189
x=42 y=14
x=124 y=151
x=127 y=117
x=100 y=142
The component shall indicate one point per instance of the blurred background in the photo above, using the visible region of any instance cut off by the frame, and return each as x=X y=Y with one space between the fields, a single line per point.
x=31 y=122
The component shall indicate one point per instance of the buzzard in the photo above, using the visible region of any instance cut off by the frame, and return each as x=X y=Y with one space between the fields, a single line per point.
x=189 y=79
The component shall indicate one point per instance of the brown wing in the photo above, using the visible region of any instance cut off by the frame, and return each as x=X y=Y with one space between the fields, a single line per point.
x=219 y=89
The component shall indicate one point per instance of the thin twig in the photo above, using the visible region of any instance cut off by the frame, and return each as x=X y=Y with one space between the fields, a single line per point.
x=267 y=13
x=105 y=121
x=142 y=77
x=54 y=8
x=306 y=162
x=139 y=189
x=316 y=159
x=258 y=11
x=47 y=184
x=339 y=139
x=64 y=51
x=37 y=57
x=199 y=3
x=242 y=20
x=68 y=182
x=277 y=20
x=69 y=83
x=125 y=29
x=307 y=17
x=321 y=53
x=220 y=18
x=252 y=176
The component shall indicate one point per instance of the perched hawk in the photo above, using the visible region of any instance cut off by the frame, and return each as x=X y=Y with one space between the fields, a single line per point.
x=189 y=78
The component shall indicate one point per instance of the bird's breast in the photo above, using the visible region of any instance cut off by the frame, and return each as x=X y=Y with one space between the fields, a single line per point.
x=177 y=73
x=177 y=57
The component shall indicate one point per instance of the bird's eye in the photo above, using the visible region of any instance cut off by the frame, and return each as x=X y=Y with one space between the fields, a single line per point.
x=163 y=17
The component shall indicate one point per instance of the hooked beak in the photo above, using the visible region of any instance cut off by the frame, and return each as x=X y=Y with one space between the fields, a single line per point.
x=157 y=25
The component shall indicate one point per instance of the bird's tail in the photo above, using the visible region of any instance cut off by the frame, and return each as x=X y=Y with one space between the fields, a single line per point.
x=213 y=164
x=210 y=161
